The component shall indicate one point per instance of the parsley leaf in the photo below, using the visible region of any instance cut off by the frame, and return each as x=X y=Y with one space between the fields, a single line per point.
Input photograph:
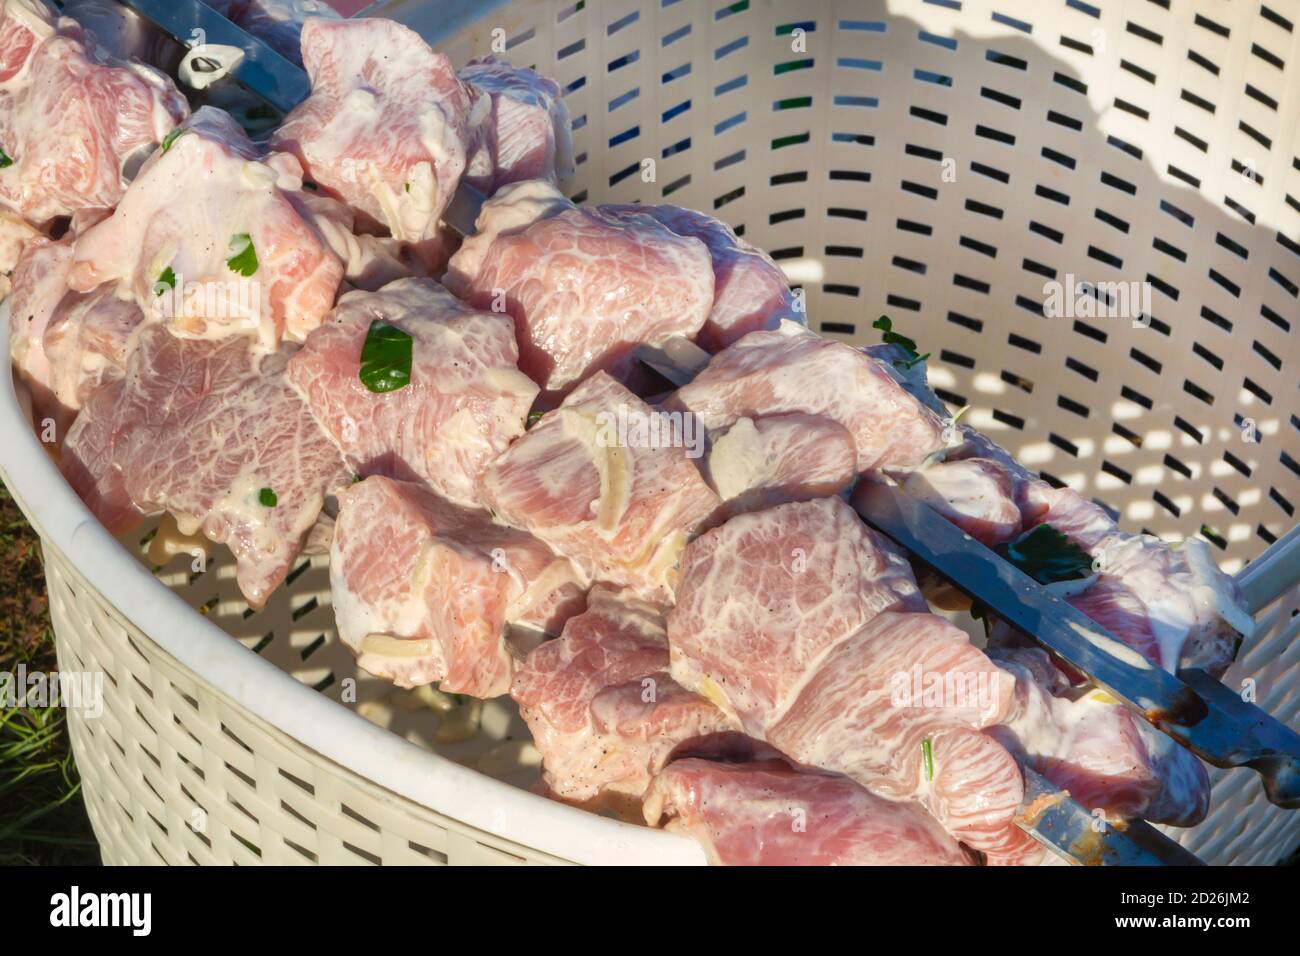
x=243 y=259
x=533 y=419
x=1046 y=555
x=902 y=341
x=267 y=498
x=385 y=358
x=927 y=752
x=5 y=161
x=171 y=138
x=166 y=280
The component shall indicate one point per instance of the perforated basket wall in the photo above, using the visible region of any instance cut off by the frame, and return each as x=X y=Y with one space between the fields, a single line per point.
x=938 y=161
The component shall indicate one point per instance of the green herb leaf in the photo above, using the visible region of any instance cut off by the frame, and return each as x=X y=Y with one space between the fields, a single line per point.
x=267 y=498
x=1047 y=556
x=171 y=138
x=308 y=184
x=166 y=280
x=5 y=161
x=386 y=358
x=891 y=337
x=243 y=258
x=533 y=419
x=927 y=751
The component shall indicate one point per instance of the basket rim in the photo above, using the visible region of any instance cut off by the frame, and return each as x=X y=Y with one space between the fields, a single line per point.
x=334 y=732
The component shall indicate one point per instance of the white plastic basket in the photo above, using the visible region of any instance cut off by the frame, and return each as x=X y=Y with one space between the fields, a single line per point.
x=935 y=160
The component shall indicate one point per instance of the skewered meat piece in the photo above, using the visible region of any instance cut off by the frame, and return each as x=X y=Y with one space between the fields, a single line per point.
x=766 y=813
x=750 y=292
x=794 y=370
x=213 y=433
x=424 y=590
x=521 y=130
x=207 y=240
x=810 y=628
x=601 y=705
x=71 y=117
x=583 y=286
x=385 y=127
x=607 y=482
x=466 y=400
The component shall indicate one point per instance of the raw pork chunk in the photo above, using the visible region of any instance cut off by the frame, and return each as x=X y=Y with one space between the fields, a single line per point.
x=812 y=630
x=767 y=813
x=385 y=125
x=601 y=705
x=1102 y=753
x=781 y=458
x=1171 y=604
x=424 y=590
x=795 y=370
x=619 y=504
x=211 y=432
x=208 y=240
x=583 y=286
x=765 y=596
x=70 y=117
x=521 y=131
x=466 y=401
x=66 y=344
x=750 y=292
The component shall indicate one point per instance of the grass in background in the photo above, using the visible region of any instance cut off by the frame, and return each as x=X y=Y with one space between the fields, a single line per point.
x=42 y=818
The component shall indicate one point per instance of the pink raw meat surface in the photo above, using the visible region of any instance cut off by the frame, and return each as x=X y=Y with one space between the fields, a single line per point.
x=184 y=221
x=211 y=432
x=466 y=401
x=622 y=509
x=385 y=125
x=864 y=712
x=1171 y=604
x=40 y=283
x=795 y=370
x=781 y=458
x=424 y=590
x=66 y=344
x=812 y=630
x=71 y=117
x=766 y=596
x=768 y=814
x=750 y=292
x=584 y=287
x=601 y=705
x=1102 y=753
x=521 y=132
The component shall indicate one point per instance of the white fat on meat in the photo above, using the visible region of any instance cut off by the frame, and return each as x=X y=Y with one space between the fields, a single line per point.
x=465 y=402
x=620 y=508
x=781 y=458
x=425 y=591
x=206 y=241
